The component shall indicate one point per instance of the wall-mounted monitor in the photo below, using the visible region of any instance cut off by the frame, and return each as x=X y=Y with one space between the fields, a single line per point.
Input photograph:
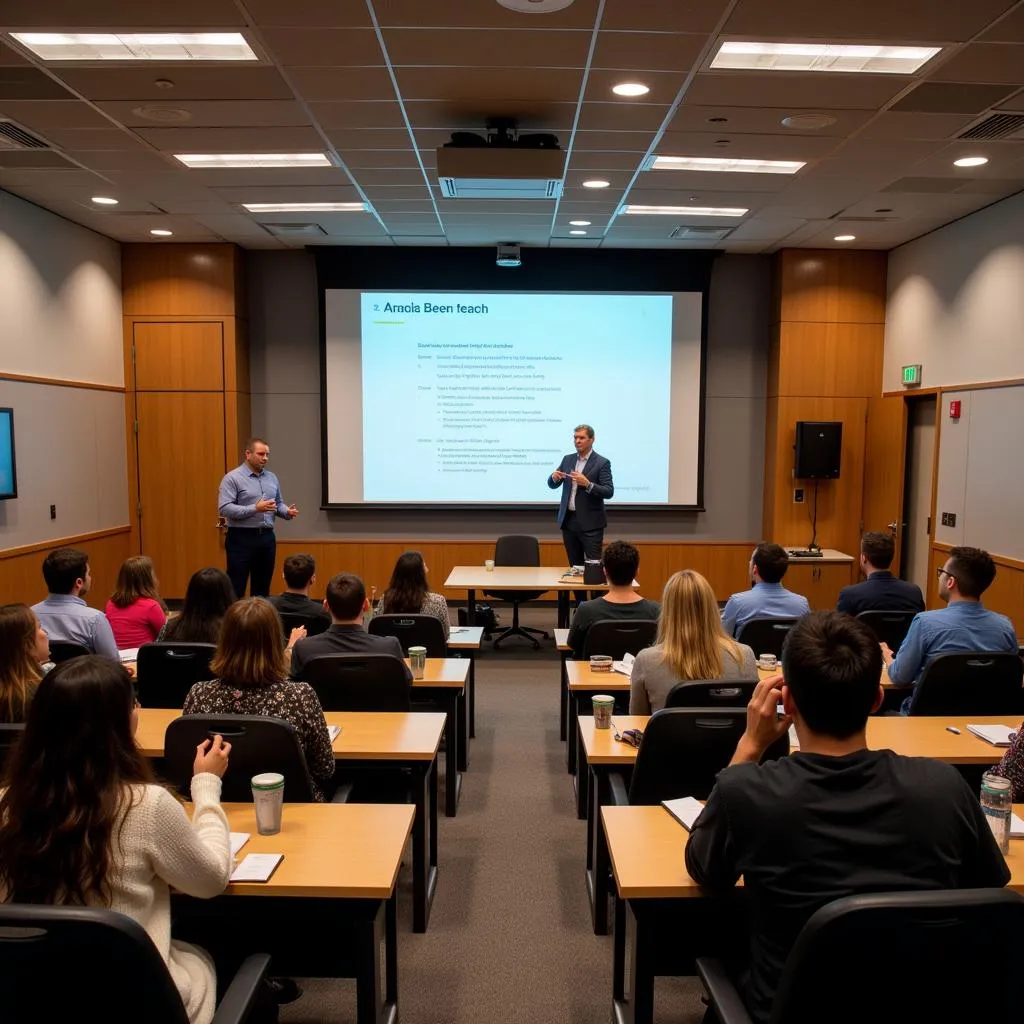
x=8 y=470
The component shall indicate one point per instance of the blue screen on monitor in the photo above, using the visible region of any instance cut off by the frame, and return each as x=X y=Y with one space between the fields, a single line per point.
x=8 y=476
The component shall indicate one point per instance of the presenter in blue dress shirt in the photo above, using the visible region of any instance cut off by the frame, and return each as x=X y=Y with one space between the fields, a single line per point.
x=250 y=499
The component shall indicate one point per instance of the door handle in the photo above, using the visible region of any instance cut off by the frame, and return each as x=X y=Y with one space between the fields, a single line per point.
x=893 y=527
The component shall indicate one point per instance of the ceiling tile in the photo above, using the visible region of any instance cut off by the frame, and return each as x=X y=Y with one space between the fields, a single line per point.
x=315 y=13
x=214 y=113
x=66 y=15
x=272 y=193
x=362 y=114
x=389 y=178
x=664 y=85
x=545 y=85
x=18 y=159
x=419 y=240
x=370 y=138
x=952 y=98
x=657 y=16
x=894 y=125
x=323 y=47
x=29 y=84
x=459 y=14
x=459 y=47
x=749 y=147
x=607 y=141
x=136 y=159
x=372 y=83
x=984 y=62
x=419 y=190
x=10 y=57
x=1009 y=29
x=112 y=138
x=233 y=140
x=622 y=117
x=189 y=83
x=705 y=181
x=583 y=160
x=645 y=51
x=763 y=120
x=776 y=89
x=358 y=159
x=42 y=115
x=469 y=115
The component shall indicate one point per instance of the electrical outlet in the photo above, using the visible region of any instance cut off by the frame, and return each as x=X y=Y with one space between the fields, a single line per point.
x=952 y=518
x=53 y=511
x=798 y=495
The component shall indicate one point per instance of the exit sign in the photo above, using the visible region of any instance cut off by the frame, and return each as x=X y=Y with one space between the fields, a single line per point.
x=911 y=376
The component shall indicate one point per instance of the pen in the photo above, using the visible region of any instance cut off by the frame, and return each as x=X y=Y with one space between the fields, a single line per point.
x=953 y=729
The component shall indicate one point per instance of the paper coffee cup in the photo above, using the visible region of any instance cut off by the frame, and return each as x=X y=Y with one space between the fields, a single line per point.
x=604 y=706
x=268 y=800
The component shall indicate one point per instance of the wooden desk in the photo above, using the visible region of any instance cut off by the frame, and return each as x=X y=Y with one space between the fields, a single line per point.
x=468 y=639
x=647 y=845
x=564 y=650
x=347 y=857
x=396 y=739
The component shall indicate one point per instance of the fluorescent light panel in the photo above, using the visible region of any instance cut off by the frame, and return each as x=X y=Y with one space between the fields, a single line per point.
x=724 y=165
x=220 y=160
x=686 y=211
x=306 y=207
x=840 y=57
x=161 y=46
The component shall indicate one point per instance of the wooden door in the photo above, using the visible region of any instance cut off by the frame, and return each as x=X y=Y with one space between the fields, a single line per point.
x=179 y=356
x=884 y=459
x=181 y=460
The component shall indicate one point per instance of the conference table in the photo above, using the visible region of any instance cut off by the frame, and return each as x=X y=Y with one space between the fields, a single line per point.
x=341 y=863
x=647 y=849
x=393 y=739
x=910 y=737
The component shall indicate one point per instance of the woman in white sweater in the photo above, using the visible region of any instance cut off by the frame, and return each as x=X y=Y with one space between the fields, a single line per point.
x=83 y=823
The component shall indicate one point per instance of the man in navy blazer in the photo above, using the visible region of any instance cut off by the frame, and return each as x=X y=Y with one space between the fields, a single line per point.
x=881 y=590
x=586 y=480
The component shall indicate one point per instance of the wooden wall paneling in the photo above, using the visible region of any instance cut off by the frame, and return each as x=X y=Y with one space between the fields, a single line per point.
x=885 y=449
x=236 y=355
x=775 y=473
x=840 y=359
x=130 y=416
x=1006 y=595
x=238 y=428
x=183 y=279
x=314 y=548
x=820 y=584
x=179 y=356
x=826 y=286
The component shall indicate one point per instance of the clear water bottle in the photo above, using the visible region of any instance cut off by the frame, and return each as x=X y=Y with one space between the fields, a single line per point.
x=996 y=802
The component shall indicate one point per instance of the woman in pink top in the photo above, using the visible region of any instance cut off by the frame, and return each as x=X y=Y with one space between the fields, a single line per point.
x=135 y=610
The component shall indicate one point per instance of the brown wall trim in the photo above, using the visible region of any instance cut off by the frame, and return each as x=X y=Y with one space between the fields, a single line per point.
x=1004 y=560
x=57 y=542
x=411 y=542
x=24 y=378
x=981 y=385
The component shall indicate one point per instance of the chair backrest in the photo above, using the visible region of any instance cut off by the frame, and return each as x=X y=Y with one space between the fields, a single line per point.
x=683 y=749
x=314 y=624
x=412 y=631
x=65 y=650
x=165 y=672
x=76 y=963
x=10 y=733
x=972 y=683
x=710 y=693
x=517 y=549
x=765 y=636
x=960 y=956
x=617 y=637
x=258 y=744
x=890 y=627
x=359 y=682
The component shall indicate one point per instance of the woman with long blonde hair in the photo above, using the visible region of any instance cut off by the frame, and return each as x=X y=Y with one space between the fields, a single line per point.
x=24 y=649
x=691 y=645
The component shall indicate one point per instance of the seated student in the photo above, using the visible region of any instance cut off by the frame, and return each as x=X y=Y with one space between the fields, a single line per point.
x=833 y=819
x=24 y=651
x=299 y=575
x=692 y=644
x=880 y=590
x=1012 y=765
x=768 y=598
x=620 y=561
x=963 y=625
x=346 y=599
x=408 y=592
x=64 y=614
x=83 y=822
x=208 y=596
x=252 y=679
x=135 y=611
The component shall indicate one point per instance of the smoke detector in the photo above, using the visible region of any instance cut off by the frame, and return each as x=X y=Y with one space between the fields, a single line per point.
x=536 y=6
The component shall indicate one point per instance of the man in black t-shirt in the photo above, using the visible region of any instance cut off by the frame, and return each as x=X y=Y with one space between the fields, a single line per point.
x=835 y=818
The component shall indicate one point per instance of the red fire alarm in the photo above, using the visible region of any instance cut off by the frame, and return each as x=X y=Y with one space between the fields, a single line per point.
x=954 y=409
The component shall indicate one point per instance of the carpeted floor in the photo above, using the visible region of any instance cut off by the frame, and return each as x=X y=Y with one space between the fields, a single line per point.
x=510 y=938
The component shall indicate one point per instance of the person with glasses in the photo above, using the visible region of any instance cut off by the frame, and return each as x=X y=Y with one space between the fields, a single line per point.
x=963 y=625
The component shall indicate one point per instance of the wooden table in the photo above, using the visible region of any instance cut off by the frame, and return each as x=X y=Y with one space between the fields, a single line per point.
x=647 y=847
x=343 y=857
x=564 y=650
x=398 y=739
x=468 y=639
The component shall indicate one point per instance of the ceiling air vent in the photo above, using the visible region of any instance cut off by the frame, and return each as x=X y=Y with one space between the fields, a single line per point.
x=13 y=136
x=296 y=230
x=996 y=126
x=688 y=233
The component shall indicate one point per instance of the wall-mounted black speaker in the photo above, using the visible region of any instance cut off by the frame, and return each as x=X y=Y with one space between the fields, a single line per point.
x=818 y=450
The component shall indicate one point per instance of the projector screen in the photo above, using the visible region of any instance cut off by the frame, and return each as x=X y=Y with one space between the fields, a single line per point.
x=471 y=398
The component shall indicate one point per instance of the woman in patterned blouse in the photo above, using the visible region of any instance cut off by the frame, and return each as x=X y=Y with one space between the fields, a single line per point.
x=1012 y=766
x=408 y=592
x=252 y=669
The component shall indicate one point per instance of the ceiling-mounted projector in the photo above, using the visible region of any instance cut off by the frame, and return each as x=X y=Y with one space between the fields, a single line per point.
x=502 y=164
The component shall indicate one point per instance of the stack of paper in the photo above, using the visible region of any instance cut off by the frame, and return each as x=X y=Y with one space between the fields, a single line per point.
x=256 y=867
x=685 y=809
x=238 y=840
x=625 y=666
x=129 y=654
x=334 y=731
x=997 y=735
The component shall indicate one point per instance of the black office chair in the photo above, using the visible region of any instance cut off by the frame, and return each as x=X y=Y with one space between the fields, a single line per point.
x=959 y=960
x=412 y=631
x=258 y=744
x=890 y=627
x=359 y=682
x=618 y=637
x=973 y=683
x=766 y=636
x=65 y=650
x=76 y=963
x=10 y=733
x=517 y=549
x=710 y=693
x=165 y=672
x=314 y=624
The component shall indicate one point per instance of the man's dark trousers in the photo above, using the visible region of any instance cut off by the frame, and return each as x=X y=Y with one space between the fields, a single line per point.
x=251 y=554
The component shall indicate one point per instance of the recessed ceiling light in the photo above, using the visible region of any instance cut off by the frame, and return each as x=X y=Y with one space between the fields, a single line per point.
x=808 y=122
x=970 y=161
x=162 y=46
x=723 y=164
x=888 y=60
x=687 y=211
x=104 y=201
x=580 y=223
x=631 y=89
x=161 y=232
x=219 y=160
x=305 y=207
x=596 y=183
x=845 y=238
x=578 y=232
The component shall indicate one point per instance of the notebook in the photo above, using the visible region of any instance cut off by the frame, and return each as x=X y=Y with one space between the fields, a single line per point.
x=256 y=867
x=129 y=654
x=1016 y=827
x=997 y=735
x=625 y=666
x=334 y=731
x=685 y=809
x=238 y=840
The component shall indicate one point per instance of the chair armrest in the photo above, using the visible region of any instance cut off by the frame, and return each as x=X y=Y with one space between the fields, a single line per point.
x=343 y=793
x=246 y=991
x=618 y=791
x=722 y=994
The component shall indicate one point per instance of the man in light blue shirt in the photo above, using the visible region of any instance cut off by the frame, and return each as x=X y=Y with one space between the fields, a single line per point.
x=768 y=598
x=250 y=499
x=64 y=614
x=963 y=625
